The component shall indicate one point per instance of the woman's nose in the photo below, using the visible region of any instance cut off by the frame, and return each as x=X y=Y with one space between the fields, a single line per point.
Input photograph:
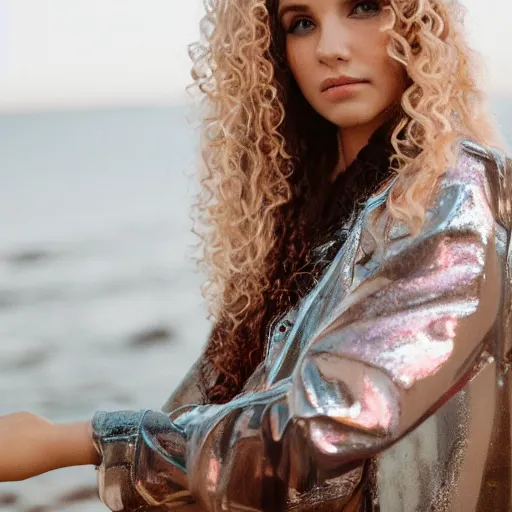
x=332 y=46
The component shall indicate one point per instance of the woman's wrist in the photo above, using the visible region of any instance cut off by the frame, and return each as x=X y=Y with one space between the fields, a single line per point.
x=72 y=444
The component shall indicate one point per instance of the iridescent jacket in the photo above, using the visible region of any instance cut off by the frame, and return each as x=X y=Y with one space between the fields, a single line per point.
x=385 y=389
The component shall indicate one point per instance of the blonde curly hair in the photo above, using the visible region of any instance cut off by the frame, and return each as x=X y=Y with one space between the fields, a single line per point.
x=260 y=140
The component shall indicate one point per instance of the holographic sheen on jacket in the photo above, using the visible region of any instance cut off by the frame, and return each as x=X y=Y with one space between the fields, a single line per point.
x=385 y=389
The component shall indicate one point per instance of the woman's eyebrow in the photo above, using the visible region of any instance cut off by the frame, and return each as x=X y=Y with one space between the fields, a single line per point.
x=292 y=8
x=302 y=8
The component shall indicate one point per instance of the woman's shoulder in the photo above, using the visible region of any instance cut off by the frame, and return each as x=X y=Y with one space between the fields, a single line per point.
x=474 y=162
x=475 y=148
x=492 y=168
x=478 y=171
x=494 y=160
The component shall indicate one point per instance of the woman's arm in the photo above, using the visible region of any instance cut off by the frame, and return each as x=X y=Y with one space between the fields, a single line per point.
x=31 y=445
x=402 y=344
x=73 y=444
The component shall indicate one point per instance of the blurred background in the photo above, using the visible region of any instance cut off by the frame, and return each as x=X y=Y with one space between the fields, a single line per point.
x=100 y=306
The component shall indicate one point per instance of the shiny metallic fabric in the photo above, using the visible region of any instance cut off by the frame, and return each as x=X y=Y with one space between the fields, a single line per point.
x=386 y=389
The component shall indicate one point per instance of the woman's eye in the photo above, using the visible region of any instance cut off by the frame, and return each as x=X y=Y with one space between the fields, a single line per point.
x=295 y=24
x=302 y=25
x=375 y=4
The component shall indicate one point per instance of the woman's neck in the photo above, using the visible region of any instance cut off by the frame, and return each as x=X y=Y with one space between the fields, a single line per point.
x=351 y=140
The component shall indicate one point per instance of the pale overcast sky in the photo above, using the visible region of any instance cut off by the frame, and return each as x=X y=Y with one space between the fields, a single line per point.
x=79 y=53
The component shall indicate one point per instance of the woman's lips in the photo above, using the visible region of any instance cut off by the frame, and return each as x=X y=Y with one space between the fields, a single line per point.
x=342 y=91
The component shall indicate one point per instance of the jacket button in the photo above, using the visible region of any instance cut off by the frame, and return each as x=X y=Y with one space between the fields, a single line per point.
x=284 y=326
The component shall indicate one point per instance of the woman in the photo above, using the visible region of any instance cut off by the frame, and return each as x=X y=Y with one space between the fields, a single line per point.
x=359 y=355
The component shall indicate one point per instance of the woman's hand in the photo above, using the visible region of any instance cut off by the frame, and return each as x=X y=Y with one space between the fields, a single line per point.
x=31 y=445
x=23 y=445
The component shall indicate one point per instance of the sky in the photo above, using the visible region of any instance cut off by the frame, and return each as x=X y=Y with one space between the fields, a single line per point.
x=90 y=53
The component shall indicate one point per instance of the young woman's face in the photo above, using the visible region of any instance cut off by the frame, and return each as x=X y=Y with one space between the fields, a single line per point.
x=329 y=38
